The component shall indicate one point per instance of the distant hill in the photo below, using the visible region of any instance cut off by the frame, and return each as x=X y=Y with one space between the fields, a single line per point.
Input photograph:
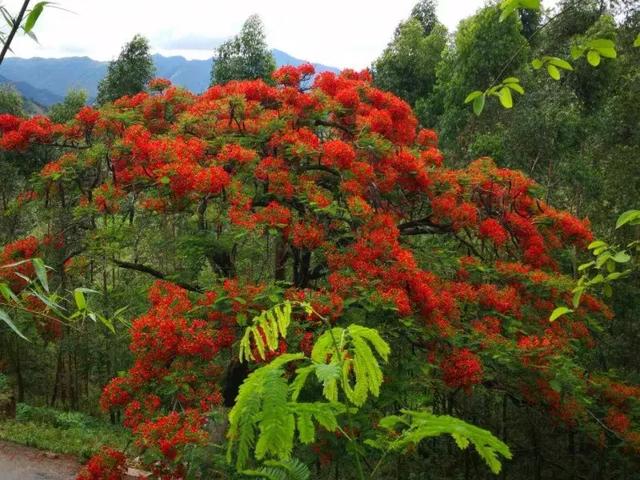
x=40 y=98
x=47 y=80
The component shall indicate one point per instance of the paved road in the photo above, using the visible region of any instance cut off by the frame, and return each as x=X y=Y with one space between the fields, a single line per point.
x=24 y=463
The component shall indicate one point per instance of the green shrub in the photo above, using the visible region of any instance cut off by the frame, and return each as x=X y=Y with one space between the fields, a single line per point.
x=62 y=432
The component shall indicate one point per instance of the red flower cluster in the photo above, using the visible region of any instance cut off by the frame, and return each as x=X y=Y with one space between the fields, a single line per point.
x=87 y=116
x=109 y=464
x=12 y=262
x=493 y=230
x=462 y=369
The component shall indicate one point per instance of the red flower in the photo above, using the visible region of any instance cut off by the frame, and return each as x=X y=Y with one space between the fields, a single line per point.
x=159 y=84
x=617 y=421
x=462 y=369
x=307 y=236
x=108 y=464
x=337 y=153
x=88 y=116
x=493 y=230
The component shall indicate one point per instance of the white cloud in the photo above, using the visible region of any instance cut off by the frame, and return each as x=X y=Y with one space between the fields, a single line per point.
x=342 y=33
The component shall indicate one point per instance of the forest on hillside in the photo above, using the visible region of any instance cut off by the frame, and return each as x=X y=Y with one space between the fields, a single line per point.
x=428 y=269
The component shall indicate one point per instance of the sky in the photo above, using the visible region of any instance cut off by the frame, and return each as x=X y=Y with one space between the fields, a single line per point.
x=339 y=33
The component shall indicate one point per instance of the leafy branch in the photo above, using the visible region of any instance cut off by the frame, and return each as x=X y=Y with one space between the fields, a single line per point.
x=25 y=20
x=606 y=266
x=54 y=310
x=416 y=426
x=595 y=50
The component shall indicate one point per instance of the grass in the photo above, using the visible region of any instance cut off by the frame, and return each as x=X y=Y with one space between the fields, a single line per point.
x=62 y=432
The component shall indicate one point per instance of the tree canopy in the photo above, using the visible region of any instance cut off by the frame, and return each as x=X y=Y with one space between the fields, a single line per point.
x=245 y=56
x=129 y=73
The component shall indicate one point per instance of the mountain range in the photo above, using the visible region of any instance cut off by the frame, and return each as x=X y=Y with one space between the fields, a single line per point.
x=46 y=81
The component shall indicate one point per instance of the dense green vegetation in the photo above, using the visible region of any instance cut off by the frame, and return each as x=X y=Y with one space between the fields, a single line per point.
x=290 y=277
x=62 y=432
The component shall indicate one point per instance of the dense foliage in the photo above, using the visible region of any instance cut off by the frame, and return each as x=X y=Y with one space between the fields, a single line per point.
x=249 y=195
x=129 y=73
x=282 y=277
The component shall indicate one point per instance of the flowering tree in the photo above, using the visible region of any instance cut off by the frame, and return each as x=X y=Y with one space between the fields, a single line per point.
x=331 y=196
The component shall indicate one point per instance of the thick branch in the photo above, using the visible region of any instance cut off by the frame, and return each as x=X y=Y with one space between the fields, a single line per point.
x=325 y=123
x=422 y=226
x=139 y=267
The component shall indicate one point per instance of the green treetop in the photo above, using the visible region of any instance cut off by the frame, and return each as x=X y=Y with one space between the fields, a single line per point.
x=245 y=56
x=128 y=74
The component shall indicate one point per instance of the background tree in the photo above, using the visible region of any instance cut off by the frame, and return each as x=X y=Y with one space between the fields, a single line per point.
x=425 y=12
x=482 y=46
x=407 y=66
x=11 y=101
x=67 y=109
x=244 y=57
x=129 y=73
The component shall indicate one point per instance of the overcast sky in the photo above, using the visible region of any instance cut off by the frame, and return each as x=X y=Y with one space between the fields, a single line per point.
x=341 y=33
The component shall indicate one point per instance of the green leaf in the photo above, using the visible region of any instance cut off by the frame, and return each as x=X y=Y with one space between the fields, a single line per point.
x=507 y=11
x=615 y=276
x=560 y=63
x=558 y=312
x=621 y=257
x=577 y=295
x=516 y=87
x=472 y=96
x=7 y=293
x=636 y=42
x=602 y=259
x=530 y=4
x=536 y=63
x=576 y=51
x=593 y=57
x=478 y=104
x=555 y=385
x=421 y=425
x=33 y=16
x=107 y=323
x=601 y=43
x=7 y=16
x=41 y=272
x=585 y=266
x=596 y=244
x=326 y=372
x=505 y=97
x=553 y=71
x=627 y=217
x=608 y=52
x=81 y=301
x=4 y=316
x=511 y=80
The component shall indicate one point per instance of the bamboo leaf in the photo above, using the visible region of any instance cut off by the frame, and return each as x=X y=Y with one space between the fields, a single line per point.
x=4 y=316
x=41 y=273
x=33 y=16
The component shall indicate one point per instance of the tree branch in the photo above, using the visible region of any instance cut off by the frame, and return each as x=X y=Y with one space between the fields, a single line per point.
x=14 y=28
x=139 y=267
x=422 y=226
